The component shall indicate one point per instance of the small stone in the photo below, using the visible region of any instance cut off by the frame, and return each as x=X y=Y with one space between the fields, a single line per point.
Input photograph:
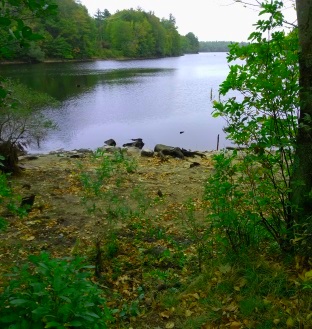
x=76 y=156
x=194 y=164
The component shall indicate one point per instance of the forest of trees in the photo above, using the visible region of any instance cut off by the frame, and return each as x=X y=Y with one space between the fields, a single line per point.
x=73 y=34
x=216 y=46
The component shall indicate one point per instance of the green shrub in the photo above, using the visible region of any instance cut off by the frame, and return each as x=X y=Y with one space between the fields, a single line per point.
x=5 y=194
x=262 y=117
x=8 y=200
x=52 y=293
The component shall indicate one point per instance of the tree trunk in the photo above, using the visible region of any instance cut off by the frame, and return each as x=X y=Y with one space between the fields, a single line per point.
x=301 y=180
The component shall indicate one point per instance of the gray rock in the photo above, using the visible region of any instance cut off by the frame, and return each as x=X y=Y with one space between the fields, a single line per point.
x=110 y=142
x=77 y=156
x=147 y=153
x=84 y=151
x=169 y=150
x=134 y=151
x=57 y=151
x=110 y=149
x=137 y=142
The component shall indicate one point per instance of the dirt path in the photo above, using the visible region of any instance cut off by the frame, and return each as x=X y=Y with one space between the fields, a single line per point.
x=58 y=218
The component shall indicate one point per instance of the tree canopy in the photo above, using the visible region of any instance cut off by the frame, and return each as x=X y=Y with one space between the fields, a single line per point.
x=215 y=46
x=73 y=34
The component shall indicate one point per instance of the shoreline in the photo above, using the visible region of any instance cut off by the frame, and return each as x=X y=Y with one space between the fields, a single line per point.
x=56 y=60
x=108 y=149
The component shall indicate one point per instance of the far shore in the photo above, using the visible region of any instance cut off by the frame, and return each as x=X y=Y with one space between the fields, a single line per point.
x=58 y=60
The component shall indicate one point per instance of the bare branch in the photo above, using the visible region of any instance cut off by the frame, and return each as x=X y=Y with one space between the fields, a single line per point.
x=291 y=24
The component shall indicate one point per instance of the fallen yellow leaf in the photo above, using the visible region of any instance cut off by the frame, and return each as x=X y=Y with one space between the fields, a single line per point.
x=170 y=325
x=235 y=325
x=246 y=322
x=165 y=314
x=225 y=268
x=242 y=282
x=196 y=296
x=188 y=313
x=28 y=237
x=308 y=275
x=290 y=322
x=216 y=309
x=231 y=308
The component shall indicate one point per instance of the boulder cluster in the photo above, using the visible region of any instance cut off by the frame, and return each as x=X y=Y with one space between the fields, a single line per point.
x=137 y=144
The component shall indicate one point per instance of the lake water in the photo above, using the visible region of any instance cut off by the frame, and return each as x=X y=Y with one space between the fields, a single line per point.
x=150 y=99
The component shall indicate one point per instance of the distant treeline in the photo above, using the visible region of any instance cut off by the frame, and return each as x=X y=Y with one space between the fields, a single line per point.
x=73 y=34
x=216 y=46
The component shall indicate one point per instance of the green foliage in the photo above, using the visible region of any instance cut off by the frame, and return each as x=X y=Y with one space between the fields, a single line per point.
x=15 y=34
x=255 y=289
x=139 y=34
x=102 y=187
x=261 y=117
x=234 y=204
x=52 y=293
x=190 y=44
x=70 y=33
x=198 y=230
x=13 y=17
x=216 y=46
x=5 y=196
x=58 y=47
x=21 y=121
x=8 y=200
x=35 y=52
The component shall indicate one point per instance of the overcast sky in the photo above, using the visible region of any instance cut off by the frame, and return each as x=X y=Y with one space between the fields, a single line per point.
x=209 y=20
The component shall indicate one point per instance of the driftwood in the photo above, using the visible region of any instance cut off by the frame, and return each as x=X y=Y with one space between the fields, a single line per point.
x=192 y=154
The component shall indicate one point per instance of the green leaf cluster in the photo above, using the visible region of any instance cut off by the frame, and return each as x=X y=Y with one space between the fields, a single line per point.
x=52 y=293
x=63 y=29
x=21 y=118
x=260 y=102
x=17 y=30
x=135 y=33
x=216 y=46
x=190 y=43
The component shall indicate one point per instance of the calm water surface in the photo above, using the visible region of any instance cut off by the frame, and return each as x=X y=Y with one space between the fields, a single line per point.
x=151 y=99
